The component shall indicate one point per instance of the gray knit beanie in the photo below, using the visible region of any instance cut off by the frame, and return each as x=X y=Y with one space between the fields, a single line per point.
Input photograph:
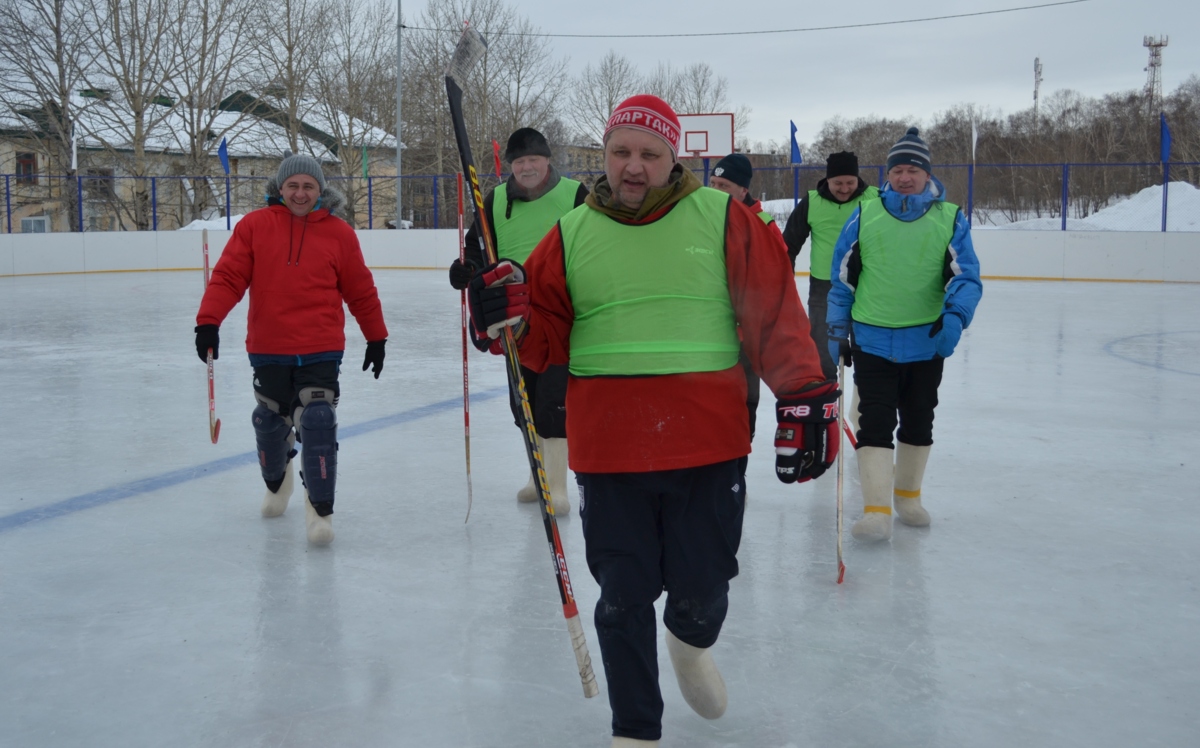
x=299 y=163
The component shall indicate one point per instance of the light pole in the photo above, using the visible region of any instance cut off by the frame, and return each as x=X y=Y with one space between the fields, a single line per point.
x=399 y=121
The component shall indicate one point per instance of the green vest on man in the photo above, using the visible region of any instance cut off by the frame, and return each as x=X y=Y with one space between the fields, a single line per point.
x=650 y=299
x=520 y=225
x=827 y=218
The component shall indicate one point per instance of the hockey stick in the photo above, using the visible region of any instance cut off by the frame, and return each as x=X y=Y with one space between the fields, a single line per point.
x=462 y=245
x=214 y=423
x=470 y=48
x=840 y=459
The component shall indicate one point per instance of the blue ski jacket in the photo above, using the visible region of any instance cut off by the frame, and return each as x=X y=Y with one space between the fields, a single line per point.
x=961 y=272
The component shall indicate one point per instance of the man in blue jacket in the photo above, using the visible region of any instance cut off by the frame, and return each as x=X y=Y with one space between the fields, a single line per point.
x=905 y=285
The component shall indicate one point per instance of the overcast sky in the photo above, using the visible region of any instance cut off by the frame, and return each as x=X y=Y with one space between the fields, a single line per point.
x=901 y=71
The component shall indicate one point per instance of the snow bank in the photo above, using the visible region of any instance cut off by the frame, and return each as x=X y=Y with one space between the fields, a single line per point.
x=1141 y=212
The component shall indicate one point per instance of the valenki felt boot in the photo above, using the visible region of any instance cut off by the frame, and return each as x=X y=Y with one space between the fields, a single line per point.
x=910 y=471
x=875 y=475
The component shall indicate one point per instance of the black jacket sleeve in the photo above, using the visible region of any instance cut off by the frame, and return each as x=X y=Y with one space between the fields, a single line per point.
x=797 y=230
x=580 y=195
x=474 y=250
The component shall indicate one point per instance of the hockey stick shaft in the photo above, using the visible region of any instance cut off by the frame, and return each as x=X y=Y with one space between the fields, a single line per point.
x=214 y=423
x=462 y=245
x=840 y=470
x=469 y=50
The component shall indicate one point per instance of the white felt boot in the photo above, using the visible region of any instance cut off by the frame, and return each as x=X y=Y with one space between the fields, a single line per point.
x=852 y=415
x=875 y=475
x=529 y=492
x=910 y=471
x=633 y=743
x=700 y=682
x=274 y=503
x=320 y=529
x=554 y=457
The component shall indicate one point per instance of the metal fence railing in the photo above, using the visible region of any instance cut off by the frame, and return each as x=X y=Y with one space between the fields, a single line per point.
x=1088 y=197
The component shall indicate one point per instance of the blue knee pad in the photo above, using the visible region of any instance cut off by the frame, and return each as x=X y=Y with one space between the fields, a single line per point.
x=273 y=434
x=318 y=435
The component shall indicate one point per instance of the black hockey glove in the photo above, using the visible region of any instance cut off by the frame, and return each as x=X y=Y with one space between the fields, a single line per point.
x=839 y=342
x=498 y=297
x=374 y=357
x=207 y=337
x=806 y=442
x=461 y=274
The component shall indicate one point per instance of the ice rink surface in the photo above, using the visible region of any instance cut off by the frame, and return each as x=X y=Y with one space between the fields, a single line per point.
x=144 y=601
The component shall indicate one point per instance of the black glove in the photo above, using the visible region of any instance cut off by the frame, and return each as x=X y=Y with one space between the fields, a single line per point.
x=806 y=442
x=207 y=337
x=498 y=296
x=374 y=357
x=839 y=342
x=461 y=274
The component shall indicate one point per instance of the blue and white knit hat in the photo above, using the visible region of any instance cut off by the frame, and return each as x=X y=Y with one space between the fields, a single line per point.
x=910 y=149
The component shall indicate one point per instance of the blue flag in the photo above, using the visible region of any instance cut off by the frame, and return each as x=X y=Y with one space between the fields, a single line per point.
x=796 y=157
x=223 y=154
x=1165 y=138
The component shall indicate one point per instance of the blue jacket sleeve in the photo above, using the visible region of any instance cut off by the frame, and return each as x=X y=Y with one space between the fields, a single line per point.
x=841 y=293
x=964 y=287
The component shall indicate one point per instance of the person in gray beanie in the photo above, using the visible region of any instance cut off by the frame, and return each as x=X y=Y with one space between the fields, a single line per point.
x=300 y=263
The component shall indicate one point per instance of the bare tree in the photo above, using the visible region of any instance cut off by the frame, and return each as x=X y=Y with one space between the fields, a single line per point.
x=598 y=90
x=290 y=39
x=213 y=39
x=136 y=58
x=44 y=44
x=357 y=58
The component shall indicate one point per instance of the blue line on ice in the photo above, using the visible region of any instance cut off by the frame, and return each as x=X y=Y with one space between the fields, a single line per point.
x=1161 y=341
x=183 y=475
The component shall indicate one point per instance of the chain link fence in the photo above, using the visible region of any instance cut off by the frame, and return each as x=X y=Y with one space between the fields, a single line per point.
x=1045 y=197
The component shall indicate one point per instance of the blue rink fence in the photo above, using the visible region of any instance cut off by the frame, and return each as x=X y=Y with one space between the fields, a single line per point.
x=989 y=193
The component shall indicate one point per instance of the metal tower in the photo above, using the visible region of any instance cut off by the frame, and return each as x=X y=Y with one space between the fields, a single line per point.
x=1037 y=85
x=1154 y=94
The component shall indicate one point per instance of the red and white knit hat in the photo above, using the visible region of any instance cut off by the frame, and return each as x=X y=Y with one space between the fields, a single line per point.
x=649 y=113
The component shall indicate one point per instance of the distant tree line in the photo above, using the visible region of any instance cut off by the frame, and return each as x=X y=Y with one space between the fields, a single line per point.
x=338 y=56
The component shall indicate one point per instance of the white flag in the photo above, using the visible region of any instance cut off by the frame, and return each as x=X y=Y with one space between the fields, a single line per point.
x=974 y=139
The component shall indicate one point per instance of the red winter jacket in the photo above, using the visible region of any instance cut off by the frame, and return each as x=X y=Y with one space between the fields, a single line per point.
x=643 y=424
x=298 y=270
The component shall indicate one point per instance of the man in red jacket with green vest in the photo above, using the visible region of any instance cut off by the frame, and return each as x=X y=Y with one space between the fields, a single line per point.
x=641 y=292
x=519 y=213
x=300 y=262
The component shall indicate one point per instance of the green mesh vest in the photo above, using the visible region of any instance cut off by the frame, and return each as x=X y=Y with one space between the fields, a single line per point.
x=516 y=236
x=650 y=299
x=826 y=219
x=901 y=282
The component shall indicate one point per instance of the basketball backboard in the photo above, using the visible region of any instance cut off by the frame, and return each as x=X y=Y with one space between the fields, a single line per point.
x=705 y=135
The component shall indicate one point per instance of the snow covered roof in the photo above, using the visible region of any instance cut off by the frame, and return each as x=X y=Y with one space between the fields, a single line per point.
x=103 y=122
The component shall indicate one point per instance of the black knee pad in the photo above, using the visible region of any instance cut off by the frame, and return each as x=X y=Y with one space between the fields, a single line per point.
x=273 y=434
x=318 y=435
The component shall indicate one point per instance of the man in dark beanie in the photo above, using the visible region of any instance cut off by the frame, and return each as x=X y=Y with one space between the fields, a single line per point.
x=905 y=286
x=821 y=214
x=519 y=213
x=732 y=176
x=300 y=263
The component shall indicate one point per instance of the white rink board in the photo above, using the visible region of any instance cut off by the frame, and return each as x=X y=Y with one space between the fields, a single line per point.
x=1049 y=255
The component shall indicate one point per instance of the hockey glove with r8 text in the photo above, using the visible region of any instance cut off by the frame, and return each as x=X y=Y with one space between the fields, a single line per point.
x=806 y=442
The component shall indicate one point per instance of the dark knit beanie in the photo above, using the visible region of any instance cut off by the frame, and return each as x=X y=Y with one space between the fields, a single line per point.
x=910 y=149
x=842 y=164
x=299 y=163
x=526 y=142
x=736 y=168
